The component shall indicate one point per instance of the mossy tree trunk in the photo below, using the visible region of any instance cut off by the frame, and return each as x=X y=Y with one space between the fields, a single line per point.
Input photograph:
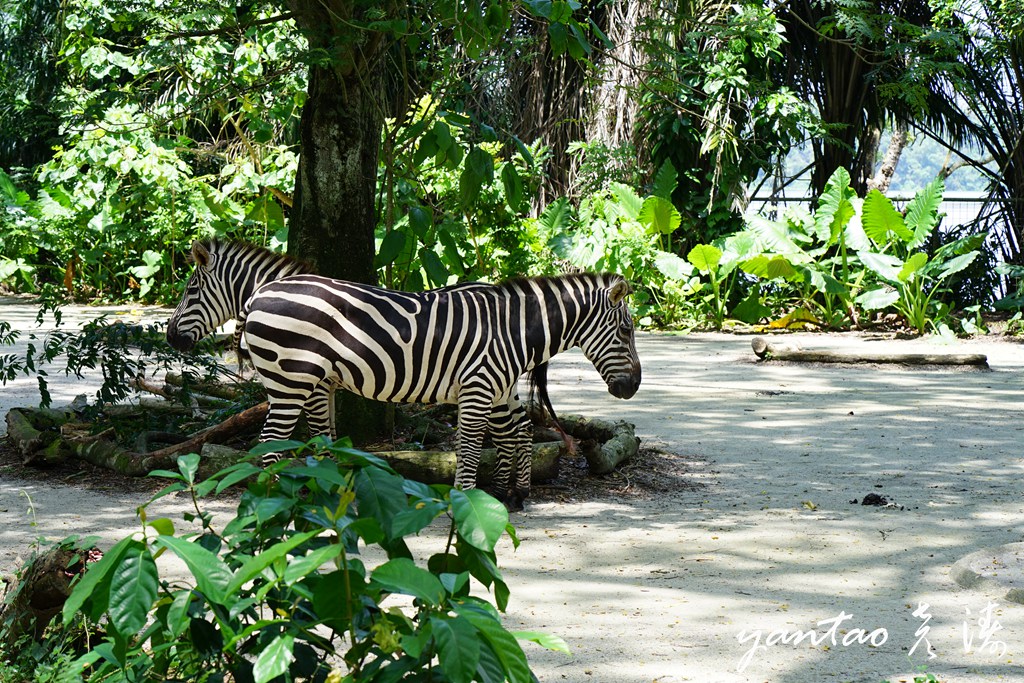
x=333 y=215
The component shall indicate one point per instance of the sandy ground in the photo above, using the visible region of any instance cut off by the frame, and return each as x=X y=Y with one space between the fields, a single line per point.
x=758 y=563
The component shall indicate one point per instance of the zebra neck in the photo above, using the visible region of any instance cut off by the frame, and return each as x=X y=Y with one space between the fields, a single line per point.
x=555 y=318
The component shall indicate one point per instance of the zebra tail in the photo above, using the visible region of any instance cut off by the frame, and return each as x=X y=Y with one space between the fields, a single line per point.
x=539 y=389
x=236 y=341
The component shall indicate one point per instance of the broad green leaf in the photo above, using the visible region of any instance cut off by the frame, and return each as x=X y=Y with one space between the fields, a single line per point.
x=188 y=465
x=401 y=575
x=211 y=574
x=877 y=299
x=275 y=659
x=301 y=567
x=769 y=268
x=665 y=180
x=177 y=613
x=660 y=217
x=912 y=266
x=775 y=236
x=955 y=265
x=879 y=218
x=379 y=494
x=704 y=257
x=479 y=517
x=254 y=566
x=885 y=265
x=627 y=202
x=923 y=212
x=477 y=172
x=834 y=207
x=545 y=640
x=555 y=218
x=513 y=185
x=434 y=267
x=133 y=589
x=390 y=247
x=751 y=310
x=672 y=266
x=420 y=221
x=503 y=643
x=458 y=647
x=97 y=575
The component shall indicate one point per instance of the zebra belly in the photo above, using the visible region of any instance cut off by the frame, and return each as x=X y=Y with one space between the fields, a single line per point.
x=302 y=341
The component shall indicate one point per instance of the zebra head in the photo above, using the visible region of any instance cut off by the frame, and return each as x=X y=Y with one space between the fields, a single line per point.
x=207 y=301
x=609 y=342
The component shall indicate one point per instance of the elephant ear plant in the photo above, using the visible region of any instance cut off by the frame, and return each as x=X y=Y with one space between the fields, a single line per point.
x=911 y=277
x=285 y=590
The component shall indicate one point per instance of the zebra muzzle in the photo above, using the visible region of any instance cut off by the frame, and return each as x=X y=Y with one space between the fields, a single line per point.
x=624 y=386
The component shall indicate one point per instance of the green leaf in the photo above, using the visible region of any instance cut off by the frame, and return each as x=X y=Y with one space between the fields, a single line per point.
x=379 y=494
x=96 y=576
x=458 y=647
x=420 y=221
x=275 y=659
x=401 y=575
x=513 y=185
x=627 y=202
x=912 y=266
x=705 y=257
x=254 y=566
x=133 y=589
x=880 y=218
x=479 y=518
x=665 y=180
x=211 y=574
x=923 y=212
x=435 y=268
x=555 y=218
x=545 y=640
x=834 y=207
x=672 y=266
x=477 y=172
x=885 y=265
x=503 y=643
x=751 y=310
x=955 y=265
x=660 y=217
x=390 y=247
x=877 y=299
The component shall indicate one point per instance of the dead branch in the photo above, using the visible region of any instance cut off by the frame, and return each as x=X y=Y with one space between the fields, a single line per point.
x=766 y=350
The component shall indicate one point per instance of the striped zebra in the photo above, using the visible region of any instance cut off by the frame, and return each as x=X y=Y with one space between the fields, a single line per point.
x=467 y=344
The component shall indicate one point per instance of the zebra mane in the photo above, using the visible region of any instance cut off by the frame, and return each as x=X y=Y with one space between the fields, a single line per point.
x=240 y=248
x=589 y=278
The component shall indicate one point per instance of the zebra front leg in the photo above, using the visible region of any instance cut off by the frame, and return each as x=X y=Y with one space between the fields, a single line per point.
x=473 y=415
x=282 y=416
x=512 y=433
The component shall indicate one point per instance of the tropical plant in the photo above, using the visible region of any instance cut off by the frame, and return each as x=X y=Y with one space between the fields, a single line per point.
x=287 y=589
x=913 y=277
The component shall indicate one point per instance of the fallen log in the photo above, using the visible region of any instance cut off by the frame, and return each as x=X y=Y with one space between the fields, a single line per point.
x=438 y=467
x=766 y=350
x=606 y=445
x=39 y=593
x=222 y=391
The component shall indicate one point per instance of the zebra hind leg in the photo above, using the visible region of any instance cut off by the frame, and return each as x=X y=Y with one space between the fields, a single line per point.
x=320 y=412
x=512 y=433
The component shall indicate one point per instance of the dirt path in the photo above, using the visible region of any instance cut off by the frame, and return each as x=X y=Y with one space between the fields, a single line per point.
x=751 y=530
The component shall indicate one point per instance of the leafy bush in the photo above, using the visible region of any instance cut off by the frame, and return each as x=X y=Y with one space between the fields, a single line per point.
x=284 y=590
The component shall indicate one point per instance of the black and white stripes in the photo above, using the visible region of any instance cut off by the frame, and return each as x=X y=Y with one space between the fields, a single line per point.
x=468 y=344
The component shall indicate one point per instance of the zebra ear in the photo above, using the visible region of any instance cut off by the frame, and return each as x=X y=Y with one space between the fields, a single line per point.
x=619 y=291
x=201 y=255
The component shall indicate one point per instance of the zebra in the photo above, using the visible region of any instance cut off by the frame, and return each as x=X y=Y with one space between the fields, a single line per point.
x=467 y=344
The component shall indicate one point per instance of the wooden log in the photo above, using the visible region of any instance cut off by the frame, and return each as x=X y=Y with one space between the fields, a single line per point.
x=606 y=445
x=236 y=424
x=766 y=350
x=24 y=434
x=42 y=588
x=223 y=391
x=438 y=467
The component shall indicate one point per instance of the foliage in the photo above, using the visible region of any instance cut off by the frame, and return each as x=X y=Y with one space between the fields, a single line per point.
x=120 y=351
x=287 y=588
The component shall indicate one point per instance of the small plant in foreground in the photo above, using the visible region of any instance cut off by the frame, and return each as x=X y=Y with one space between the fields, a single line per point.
x=283 y=592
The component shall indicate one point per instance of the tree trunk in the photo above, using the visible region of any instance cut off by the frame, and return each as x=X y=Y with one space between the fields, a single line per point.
x=333 y=215
x=881 y=180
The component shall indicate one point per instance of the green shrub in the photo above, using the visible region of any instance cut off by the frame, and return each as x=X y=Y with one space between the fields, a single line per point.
x=283 y=591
